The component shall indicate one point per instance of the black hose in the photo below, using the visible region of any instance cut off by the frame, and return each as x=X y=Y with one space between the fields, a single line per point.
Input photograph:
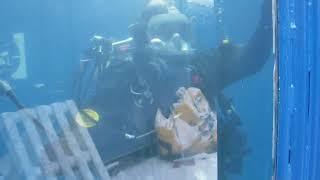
x=6 y=90
x=14 y=100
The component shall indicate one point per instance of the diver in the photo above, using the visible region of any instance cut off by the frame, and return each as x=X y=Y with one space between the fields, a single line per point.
x=9 y=59
x=141 y=74
x=9 y=62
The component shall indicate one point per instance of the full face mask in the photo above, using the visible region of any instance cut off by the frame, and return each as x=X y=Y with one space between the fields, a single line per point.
x=169 y=34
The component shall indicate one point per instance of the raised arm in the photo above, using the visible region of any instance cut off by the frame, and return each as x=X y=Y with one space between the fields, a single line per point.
x=230 y=63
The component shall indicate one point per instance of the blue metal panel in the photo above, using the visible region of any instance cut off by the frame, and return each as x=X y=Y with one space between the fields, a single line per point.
x=299 y=71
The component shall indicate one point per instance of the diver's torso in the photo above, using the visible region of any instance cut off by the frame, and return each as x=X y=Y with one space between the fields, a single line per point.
x=172 y=74
x=130 y=92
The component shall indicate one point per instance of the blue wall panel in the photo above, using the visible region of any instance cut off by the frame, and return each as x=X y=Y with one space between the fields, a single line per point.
x=298 y=144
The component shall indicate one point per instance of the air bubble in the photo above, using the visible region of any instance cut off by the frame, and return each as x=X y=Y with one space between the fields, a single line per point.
x=293 y=25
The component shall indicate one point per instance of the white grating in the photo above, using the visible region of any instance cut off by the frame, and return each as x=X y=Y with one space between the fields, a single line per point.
x=46 y=143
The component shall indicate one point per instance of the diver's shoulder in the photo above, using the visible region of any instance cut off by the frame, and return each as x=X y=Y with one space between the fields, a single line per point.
x=223 y=49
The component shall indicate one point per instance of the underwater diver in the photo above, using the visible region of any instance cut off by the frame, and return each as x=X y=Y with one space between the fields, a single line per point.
x=141 y=74
x=9 y=62
x=9 y=59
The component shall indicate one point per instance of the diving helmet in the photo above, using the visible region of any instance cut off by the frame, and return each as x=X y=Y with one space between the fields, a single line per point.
x=169 y=32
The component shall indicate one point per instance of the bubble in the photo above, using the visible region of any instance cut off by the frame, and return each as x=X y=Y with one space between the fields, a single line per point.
x=291 y=86
x=293 y=25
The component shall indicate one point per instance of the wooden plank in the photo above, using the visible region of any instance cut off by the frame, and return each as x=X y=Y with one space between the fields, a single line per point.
x=89 y=143
x=59 y=111
x=50 y=131
x=49 y=168
x=44 y=113
x=16 y=145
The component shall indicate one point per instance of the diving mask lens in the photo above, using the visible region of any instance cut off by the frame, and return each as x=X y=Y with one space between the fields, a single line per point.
x=178 y=43
x=169 y=33
x=174 y=45
x=157 y=44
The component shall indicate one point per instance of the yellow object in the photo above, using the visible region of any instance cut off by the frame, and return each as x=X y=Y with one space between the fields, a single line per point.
x=87 y=118
x=191 y=127
x=186 y=113
x=166 y=133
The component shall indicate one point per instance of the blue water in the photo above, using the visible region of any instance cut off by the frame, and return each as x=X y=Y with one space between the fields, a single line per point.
x=252 y=96
x=57 y=32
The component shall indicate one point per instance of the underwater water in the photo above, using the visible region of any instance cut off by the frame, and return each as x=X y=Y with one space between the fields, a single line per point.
x=56 y=39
